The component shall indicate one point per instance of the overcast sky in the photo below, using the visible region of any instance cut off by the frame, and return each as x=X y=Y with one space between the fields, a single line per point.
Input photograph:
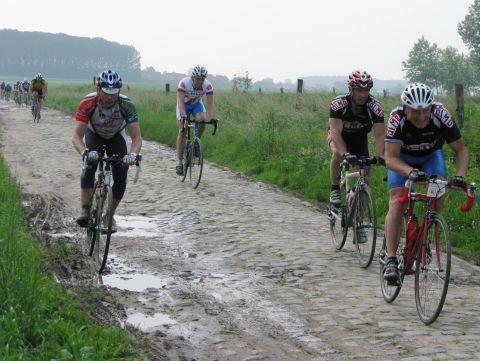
x=269 y=38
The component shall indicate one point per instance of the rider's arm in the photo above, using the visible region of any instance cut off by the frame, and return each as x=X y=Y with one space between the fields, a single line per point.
x=379 y=131
x=336 y=132
x=393 y=161
x=136 y=135
x=181 y=103
x=78 y=134
x=461 y=155
x=212 y=110
x=45 y=89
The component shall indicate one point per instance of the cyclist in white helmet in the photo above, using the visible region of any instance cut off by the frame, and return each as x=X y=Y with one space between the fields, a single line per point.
x=189 y=101
x=416 y=132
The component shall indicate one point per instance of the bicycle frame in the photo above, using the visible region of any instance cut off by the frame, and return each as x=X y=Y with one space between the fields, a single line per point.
x=430 y=200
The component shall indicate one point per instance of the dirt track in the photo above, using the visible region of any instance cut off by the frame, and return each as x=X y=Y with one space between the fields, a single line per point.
x=237 y=270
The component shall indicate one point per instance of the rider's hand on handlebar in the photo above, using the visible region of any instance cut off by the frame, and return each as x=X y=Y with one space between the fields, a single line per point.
x=417 y=175
x=458 y=181
x=350 y=158
x=130 y=159
x=380 y=160
x=92 y=156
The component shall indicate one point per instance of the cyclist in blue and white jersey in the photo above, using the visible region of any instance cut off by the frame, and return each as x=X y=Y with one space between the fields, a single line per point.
x=189 y=101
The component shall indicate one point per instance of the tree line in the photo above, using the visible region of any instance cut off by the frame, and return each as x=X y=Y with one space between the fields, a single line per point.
x=64 y=56
x=443 y=68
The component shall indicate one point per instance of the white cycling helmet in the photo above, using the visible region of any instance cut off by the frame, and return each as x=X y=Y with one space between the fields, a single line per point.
x=199 y=71
x=417 y=96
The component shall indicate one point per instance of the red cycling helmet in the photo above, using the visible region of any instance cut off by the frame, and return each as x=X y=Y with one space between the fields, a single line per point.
x=360 y=79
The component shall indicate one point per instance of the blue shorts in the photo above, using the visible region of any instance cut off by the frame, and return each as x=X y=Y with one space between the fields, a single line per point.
x=194 y=109
x=432 y=164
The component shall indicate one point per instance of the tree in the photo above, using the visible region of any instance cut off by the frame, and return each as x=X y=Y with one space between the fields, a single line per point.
x=422 y=64
x=241 y=82
x=469 y=28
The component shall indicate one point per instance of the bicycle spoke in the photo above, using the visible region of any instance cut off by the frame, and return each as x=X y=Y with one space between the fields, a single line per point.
x=338 y=222
x=196 y=163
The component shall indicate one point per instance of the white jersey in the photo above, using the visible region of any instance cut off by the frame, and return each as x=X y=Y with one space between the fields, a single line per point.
x=192 y=95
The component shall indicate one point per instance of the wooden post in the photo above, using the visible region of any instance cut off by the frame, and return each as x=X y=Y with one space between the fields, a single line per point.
x=299 y=86
x=167 y=88
x=385 y=93
x=334 y=91
x=459 y=99
x=299 y=101
x=94 y=80
x=260 y=90
x=281 y=90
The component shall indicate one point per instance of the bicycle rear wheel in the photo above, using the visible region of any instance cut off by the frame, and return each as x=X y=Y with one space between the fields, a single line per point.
x=432 y=275
x=104 y=229
x=390 y=292
x=337 y=216
x=196 y=163
x=365 y=224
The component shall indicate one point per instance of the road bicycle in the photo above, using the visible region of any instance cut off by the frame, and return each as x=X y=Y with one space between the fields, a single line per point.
x=99 y=228
x=36 y=107
x=424 y=248
x=193 y=152
x=356 y=210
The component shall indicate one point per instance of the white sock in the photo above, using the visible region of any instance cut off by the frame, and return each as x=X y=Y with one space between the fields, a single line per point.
x=179 y=162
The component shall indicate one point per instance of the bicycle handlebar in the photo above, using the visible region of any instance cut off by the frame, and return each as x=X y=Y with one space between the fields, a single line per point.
x=362 y=162
x=470 y=189
x=214 y=122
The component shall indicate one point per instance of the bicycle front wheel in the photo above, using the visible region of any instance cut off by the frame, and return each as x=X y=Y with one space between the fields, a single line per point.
x=104 y=229
x=186 y=159
x=337 y=216
x=196 y=163
x=365 y=226
x=432 y=270
x=92 y=229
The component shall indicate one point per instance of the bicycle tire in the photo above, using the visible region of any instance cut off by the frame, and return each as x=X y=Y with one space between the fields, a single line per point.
x=338 y=221
x=196 y=163
x=104 y=237
x=365 y=251
x=440 y=273
x=91 y=234
x=186 y=160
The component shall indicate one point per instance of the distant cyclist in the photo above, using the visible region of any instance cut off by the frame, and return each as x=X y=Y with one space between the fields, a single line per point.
x=416 y=133
x=8 y=91
x=352 y=117
x=189 y=101
x=2 y=89
x=38 y=90
x=101 y=121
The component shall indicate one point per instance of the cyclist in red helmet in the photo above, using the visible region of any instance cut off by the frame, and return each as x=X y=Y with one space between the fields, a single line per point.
x=352 y=117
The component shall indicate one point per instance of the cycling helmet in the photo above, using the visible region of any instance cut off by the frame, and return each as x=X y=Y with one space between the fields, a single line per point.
x=360 y=79
x=417 y=96
x=38 y=76
x=199 y=71
x=109 y=81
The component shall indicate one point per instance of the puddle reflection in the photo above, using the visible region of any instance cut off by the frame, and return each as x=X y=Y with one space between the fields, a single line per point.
x=148 y=323
x=133 y=282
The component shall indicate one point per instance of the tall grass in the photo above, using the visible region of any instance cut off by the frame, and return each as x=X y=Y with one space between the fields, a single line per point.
x=38 y=319
x=279 y=139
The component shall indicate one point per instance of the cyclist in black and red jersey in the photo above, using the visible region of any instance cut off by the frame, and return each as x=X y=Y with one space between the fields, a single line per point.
x=416 y=132
x=352 y=117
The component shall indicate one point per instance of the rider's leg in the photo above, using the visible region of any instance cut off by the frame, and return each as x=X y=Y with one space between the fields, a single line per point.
x=199 y=112
x=393 y=221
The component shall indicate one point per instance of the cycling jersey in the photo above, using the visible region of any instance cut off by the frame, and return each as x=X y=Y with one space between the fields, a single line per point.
x=356 y=124
x=106 y=123
x=424 y=141
x=8 y=87
x=193 y=95
x=25 y=86
x=38 y=85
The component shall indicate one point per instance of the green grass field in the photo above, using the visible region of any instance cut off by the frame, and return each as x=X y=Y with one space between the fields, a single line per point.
x=280 y=140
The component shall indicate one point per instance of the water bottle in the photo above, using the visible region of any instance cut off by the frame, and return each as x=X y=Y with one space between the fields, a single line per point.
x=412 y=233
